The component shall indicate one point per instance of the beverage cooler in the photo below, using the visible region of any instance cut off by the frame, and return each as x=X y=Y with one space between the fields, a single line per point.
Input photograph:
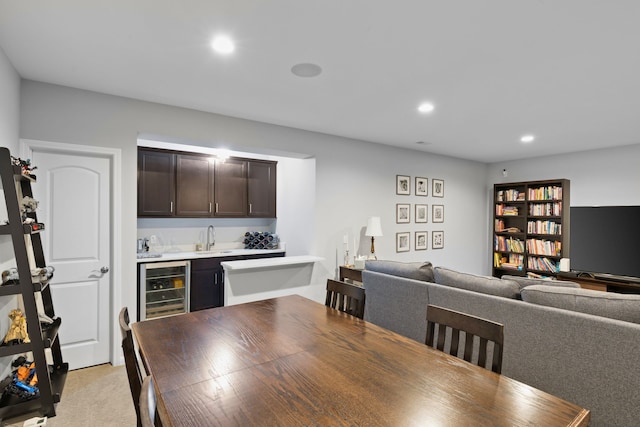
x=164 y=289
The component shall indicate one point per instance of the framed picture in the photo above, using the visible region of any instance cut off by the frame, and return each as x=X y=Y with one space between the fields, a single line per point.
x=421 y=241
x=402 y=213
x=402 y=242
x=438 y=187
x=421 y=213
x=438 y=213
x=437 y=239
x=422 y=185
x=403 y=184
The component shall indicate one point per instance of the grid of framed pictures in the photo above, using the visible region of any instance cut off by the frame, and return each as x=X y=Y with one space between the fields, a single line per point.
x=419 y=186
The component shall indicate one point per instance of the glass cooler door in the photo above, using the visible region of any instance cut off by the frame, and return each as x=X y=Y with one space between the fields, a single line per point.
x=164 y=289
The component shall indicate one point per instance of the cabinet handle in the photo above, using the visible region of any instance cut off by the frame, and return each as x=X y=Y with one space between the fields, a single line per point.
x=250 y=208
x=171 y=207
x=209 y=207
x=216 y=207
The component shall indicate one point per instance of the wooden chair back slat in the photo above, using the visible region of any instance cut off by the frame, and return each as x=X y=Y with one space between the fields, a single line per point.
x=345 y=297
x=472 y=326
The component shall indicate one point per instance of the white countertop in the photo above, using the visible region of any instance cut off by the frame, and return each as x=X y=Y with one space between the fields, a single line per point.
x=175 y=256
x=250 y=264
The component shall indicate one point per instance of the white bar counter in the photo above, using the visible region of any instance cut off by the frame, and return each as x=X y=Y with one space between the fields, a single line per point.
x=257 y=279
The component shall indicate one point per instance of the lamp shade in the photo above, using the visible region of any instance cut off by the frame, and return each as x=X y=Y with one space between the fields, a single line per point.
x=374 y=229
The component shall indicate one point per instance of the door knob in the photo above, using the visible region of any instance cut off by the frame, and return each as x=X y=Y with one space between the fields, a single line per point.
x=104 y=270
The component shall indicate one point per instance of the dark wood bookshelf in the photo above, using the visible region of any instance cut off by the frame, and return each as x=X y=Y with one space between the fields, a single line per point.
x=537 y=214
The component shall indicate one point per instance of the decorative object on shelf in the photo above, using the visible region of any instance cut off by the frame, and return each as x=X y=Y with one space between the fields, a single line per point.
x=437 y=238
x=17 y=333
x=402 y=241
x=403 y=185
x=402 y=213
x=421 y=240
x=23 y=382
x=374 y=229
x=422 y=186
x=421 y=213
x=438 y=187
x=438 y=213
x=10 y=277
x=260 y=240
x=25 y=166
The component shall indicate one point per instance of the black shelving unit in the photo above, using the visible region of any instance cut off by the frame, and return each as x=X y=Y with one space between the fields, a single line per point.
x=530 y=227
x=29 y=256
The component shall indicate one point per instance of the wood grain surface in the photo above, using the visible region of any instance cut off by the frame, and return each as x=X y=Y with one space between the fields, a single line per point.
x=290 y=361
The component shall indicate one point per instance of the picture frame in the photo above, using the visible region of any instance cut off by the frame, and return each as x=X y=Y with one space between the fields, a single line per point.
x=403 y=185
x=438 y=213
x=437 y=239
x=402 y=241
x=403 y=213
x=422 y=186
x=421 y=213
x=438 y=187
x=421 y=240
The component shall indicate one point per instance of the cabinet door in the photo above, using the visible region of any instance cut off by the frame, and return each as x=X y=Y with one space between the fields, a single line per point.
x=194 y=185
x=230 y=184
x=156 y=183
x=207 y=284
x=261 y=189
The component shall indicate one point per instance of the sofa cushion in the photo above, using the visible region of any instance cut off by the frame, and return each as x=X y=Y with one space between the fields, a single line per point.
x=471 y=282
x=606 y=304
x=411 y=270
x=523 y=282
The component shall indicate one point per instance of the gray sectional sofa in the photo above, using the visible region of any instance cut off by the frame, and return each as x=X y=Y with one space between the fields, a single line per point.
x=578 y=344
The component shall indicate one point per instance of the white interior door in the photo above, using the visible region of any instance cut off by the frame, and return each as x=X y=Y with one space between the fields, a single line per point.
x=74 y=192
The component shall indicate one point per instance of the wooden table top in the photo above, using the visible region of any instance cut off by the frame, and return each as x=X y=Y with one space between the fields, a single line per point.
x=291 y=361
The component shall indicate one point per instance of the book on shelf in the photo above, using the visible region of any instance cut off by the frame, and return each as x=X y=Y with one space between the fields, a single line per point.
x=544 y=247
x=546 y=209
x=552 y=192
x=543 y=264
x=511 y=195
x=544 y=227
x=508 y=244
x=506 y=210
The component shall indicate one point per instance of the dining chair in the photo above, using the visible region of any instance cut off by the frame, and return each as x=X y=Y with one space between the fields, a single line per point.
x=471 y=326
x=131 y=361
x=345 y=297
x=148 y=403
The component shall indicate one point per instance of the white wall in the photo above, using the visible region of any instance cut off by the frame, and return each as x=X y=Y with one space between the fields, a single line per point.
x=353 y=179
x=598 y=177
x=9 y=135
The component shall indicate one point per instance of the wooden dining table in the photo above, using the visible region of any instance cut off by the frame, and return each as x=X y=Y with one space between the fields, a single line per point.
x=290 y=361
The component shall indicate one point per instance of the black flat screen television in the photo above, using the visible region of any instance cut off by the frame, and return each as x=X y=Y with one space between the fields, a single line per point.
x=605 y=240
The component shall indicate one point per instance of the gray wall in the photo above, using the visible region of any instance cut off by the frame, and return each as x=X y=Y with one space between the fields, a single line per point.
x=353 y=179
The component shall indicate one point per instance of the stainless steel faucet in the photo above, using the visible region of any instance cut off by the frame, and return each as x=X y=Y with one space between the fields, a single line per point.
x=211 y=237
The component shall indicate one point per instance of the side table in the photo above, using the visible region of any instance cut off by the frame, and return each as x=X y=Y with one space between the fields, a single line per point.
x=349 y=272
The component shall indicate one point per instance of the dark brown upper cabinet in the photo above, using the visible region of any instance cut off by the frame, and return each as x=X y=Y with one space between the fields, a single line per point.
x=230 y=184
x=180 y=184
x=261 y=188
x=194 y=186
x=156 y=183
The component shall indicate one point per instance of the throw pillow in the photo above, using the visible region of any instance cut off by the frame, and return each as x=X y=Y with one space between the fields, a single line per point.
x=528 y=281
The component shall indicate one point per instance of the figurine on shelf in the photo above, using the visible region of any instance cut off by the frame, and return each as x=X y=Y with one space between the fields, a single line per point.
x=23 y=382
x=25 y=166
x=29 y=204
x=10 y=277
x=17 y=333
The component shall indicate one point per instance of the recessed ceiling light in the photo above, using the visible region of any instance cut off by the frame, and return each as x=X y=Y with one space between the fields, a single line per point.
x=426 y=107
x=223 y=44
x=527 y=139
x=306 y=70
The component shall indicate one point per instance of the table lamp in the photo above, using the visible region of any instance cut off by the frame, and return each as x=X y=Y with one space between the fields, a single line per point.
x=374 y=229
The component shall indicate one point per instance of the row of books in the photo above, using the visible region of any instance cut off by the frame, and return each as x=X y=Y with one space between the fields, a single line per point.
x=508 y=244
x=543 y=264
x=546 y=209
x=510 y=196
x=506 y=210
x=545 y=193
x=513 y=261
x=544 y=227
x=544 y=247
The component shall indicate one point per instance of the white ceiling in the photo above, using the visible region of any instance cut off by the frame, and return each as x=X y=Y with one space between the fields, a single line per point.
x=567 y=71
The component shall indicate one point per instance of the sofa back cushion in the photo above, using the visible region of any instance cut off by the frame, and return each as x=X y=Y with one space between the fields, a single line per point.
x=410 y=270
x=606 y=304
x=523 y=282
x=471 y=282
